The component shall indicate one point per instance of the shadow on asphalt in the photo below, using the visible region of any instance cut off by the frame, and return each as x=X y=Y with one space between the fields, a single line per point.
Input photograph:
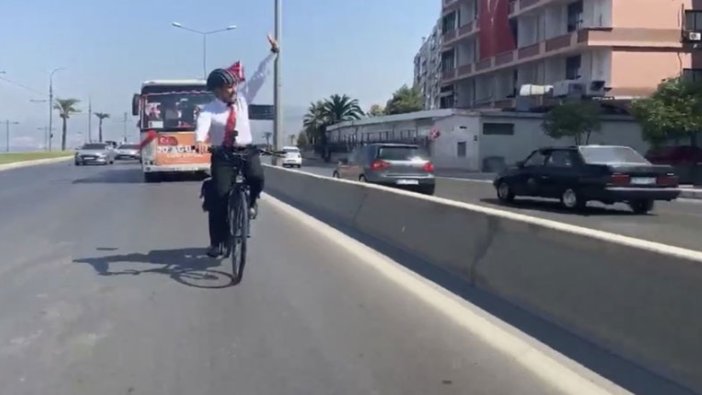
x=187 y=266
x=625 y=373
x=132 y=176
x=556 y=207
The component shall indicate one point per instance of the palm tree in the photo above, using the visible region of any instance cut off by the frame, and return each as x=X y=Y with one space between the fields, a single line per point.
x=314 y=121
x=65 y=107
x=101 y=116
x=342 y=108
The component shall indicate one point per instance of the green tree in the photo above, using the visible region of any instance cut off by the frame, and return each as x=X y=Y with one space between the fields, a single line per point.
x=65 y=107
x=405 y=100
x=314 y=121
x=674 y=111
x=376 y=110
x=302 y=140
x=101 y=116
x=340 y=108
x=573 y=119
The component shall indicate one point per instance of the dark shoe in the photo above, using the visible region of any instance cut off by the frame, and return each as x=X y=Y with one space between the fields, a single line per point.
x=214 y=251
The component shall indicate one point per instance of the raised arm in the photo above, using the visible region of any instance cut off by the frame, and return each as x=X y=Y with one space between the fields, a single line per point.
x=253 y=85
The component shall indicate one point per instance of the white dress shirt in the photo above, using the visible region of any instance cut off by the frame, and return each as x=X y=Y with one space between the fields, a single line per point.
x=212 y=119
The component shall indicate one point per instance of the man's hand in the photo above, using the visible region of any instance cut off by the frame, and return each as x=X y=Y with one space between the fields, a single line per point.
x=202 y=147
x=274 y=44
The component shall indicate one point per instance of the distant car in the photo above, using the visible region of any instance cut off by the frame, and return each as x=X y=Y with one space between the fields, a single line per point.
x=293 y=157
x=94 y=153
x=128 y=151
x=404 y=166
x=579 y=174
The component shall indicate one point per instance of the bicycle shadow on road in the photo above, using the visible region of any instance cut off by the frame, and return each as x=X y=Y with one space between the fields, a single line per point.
x=187 y=266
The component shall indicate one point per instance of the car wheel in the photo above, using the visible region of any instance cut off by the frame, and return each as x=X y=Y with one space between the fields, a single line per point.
x=641 y=206
x=504 y=192
x=572 y=200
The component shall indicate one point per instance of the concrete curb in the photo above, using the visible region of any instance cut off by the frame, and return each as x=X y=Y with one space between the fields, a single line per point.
x=637 y=299
x=27 y=163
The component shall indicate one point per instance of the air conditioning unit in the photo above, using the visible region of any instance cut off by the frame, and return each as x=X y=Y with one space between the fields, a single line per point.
x=596 y=88
x=568 y=88
x=692 y=36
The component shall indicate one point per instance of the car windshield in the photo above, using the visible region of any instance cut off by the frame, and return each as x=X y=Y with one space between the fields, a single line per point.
x=128 y=146
x=610 y=155
x=94 y=146
x=401 y=153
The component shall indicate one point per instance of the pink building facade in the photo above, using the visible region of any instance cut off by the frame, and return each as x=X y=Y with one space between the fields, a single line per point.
x=493 y=47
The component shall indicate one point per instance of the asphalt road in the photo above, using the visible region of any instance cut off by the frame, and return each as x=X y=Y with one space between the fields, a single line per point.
x=104 y=291
x=677 y=223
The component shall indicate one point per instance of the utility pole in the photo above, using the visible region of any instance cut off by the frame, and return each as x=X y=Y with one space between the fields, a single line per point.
x=51 y=103
x=277 y=83
x=7 y=133
x=90 y=119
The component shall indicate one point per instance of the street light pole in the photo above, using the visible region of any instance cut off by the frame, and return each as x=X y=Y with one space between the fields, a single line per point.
x=7 y=133
x=277 y=83
x=51 y=102
x=204 y=35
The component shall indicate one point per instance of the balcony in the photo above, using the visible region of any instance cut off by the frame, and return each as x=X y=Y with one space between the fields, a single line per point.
x=518 y=7
x=465 y=31
x=449 y=6
x=630 y=37
x=566 y=43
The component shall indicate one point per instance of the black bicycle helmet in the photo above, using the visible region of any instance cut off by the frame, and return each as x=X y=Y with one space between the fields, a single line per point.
x=219 y=78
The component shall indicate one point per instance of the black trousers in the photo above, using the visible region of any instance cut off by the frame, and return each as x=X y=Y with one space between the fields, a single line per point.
x=223 y=174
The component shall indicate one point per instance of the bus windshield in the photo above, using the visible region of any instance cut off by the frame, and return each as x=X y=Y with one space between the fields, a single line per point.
x=172 y=111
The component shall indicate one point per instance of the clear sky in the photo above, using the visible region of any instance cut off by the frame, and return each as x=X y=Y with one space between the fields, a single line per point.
x=363 y=48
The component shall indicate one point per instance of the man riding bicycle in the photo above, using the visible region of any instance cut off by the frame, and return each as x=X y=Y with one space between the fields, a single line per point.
x=224 y=125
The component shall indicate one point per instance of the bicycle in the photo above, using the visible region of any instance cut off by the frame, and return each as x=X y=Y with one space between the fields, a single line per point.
x=238 y=210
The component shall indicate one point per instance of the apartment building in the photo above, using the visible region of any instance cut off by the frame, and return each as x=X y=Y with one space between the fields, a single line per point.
x=493 y=47
x=427 y=68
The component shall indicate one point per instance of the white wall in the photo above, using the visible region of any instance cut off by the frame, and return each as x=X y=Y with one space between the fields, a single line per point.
x=455 y=130
x=529 y=135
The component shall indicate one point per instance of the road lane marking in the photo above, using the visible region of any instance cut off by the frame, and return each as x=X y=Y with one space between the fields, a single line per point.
x=550 y=366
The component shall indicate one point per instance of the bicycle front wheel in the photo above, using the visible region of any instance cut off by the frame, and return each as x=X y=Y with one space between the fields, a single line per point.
x=238 y=228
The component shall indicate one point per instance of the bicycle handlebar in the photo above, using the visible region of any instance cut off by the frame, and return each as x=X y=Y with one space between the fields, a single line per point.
x=261 y=151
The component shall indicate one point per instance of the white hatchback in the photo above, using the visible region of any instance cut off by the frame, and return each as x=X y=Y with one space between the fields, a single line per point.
x=293 y=157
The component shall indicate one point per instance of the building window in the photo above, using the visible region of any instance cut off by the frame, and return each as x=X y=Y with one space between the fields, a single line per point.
x=449 y=23
x=693 y=20
x=693 y=75
x=575 y=16
x=446 y=102
x=448 y=61
x=503 y=129
x=461 y=149
x=573 y=67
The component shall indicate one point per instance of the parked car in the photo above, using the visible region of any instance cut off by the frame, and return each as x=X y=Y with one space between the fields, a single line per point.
x=404 y=166
x=293 y=157
x=97 y=153
x=128 y=151
x=579 y=174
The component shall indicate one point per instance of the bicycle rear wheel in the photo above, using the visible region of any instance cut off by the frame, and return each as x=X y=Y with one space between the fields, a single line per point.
x=238 y=229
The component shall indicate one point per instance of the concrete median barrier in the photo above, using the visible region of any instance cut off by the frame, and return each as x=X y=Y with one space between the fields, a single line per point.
x=637 y=299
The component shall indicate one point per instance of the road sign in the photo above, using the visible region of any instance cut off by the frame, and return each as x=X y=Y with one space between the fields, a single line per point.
x=261 y=112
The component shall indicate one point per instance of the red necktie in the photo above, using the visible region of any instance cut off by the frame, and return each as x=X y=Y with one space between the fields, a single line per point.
x=230 y=127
